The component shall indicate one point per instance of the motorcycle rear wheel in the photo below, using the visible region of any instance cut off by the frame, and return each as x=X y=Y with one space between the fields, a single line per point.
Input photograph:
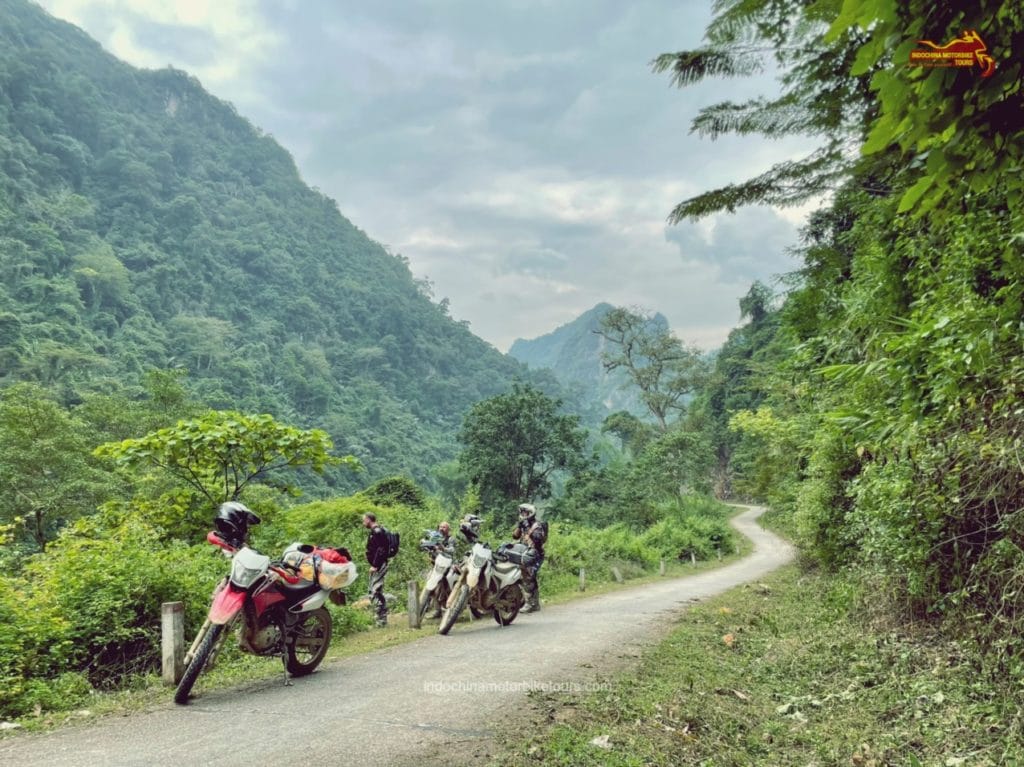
x=198 y=663
x=451 y=615
x=508 y=604
x=309 y=641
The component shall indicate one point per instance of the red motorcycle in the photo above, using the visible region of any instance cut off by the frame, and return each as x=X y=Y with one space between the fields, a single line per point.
x=279 y=606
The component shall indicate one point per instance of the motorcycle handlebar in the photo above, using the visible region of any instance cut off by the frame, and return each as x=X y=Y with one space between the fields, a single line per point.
x=216 y=540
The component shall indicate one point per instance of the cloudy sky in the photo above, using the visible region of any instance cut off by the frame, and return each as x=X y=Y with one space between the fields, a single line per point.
x=520 y=153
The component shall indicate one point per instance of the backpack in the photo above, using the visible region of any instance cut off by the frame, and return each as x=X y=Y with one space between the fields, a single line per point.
x=393 y=541
x=544 y=527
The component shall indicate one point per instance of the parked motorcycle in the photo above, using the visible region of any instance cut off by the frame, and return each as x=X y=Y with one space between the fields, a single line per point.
x=488 y=582
x=278 y=606
x=442 y=575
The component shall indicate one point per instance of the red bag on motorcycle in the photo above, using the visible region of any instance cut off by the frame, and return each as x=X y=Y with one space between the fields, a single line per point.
x=311 y=564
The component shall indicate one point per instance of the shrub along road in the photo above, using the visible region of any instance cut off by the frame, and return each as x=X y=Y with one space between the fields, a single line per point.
x=411 y=704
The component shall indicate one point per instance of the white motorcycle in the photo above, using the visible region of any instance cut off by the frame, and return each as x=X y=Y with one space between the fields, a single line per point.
x=488 y=582
x=441 y=578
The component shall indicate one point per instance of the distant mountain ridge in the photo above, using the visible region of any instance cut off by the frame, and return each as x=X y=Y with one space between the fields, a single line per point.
x=145 y=224
x=573 y=353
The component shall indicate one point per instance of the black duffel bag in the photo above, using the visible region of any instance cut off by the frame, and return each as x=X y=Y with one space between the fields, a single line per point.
x=516 y=553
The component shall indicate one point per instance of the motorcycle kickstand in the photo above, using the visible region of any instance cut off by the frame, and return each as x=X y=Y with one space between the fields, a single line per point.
x=284 y=657
x=287 y=678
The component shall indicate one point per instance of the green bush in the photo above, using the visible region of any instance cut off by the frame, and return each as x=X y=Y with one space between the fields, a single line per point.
x=88 y=610
x=397 y=491
x=690 y=524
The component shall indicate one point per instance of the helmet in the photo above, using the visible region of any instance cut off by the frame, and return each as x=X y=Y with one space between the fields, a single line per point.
x=470 y=524
x=233 y=520
x=527 y=511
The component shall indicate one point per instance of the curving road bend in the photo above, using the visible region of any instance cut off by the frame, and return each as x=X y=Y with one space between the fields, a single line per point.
x=431 y=701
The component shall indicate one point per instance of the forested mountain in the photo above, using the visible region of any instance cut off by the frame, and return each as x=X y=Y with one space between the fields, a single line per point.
x=145 y=224
x=573 y=353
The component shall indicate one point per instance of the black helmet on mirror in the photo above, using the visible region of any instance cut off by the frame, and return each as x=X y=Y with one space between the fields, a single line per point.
x=470 y=526
x=233 y=521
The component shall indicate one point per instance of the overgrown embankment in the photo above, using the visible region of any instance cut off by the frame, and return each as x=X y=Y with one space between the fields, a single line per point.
x=796 y=670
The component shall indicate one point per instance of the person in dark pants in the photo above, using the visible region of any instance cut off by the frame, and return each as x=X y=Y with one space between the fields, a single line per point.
x=377 y=556
x=533 y=533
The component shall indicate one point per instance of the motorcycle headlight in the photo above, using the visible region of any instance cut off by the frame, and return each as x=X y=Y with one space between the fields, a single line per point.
x=479 y=560
x=244 y=576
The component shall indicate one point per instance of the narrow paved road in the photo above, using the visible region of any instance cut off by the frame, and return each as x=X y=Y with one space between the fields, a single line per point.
x=418 y=703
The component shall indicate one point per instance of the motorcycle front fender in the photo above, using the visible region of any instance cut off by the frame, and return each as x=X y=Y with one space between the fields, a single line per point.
x=434 y=580
x=226 y=604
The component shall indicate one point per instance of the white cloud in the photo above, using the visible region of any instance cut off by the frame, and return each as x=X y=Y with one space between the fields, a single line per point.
x=239 y=35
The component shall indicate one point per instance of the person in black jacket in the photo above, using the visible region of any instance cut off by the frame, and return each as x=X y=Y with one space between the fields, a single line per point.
x=377 y=556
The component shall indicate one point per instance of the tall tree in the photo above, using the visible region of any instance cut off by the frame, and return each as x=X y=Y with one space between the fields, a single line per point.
x=664 y=371
x=515 y=442
x=44 y=461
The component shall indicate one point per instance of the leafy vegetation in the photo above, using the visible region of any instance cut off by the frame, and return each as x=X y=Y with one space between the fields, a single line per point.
x=664 y=371
x=145 y=225
x=49 y=478
x=879 y=406
x=514 y=443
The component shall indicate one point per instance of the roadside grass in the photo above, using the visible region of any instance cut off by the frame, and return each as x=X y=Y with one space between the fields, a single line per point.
x=354 y=635
x=784 y=673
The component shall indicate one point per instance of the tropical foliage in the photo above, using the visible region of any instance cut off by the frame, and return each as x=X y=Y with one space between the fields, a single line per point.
x=515 y=443
x=879 y=408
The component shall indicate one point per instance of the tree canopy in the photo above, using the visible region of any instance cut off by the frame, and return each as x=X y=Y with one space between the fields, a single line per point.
x=221 y=453
x=514 y=443
x=877 y=404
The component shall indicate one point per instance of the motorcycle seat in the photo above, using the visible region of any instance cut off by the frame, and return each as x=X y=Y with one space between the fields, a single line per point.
x=299 y=592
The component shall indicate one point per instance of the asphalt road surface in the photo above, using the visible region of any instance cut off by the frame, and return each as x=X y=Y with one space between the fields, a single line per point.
x=438 y=700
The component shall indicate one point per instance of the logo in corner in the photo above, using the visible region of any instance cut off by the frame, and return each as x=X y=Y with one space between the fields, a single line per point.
x=964 y=51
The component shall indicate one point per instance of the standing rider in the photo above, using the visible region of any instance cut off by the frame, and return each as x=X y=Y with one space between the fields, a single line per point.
x=377 y=557
x=533 y=533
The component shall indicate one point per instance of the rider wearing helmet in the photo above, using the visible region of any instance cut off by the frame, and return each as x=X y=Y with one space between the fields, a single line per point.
x=233 y=521
x=533 y=533
x=470 y=529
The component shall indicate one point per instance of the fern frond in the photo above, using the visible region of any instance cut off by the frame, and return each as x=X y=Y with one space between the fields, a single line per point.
x=787 y=183
x=689 y=67
x=772 y=119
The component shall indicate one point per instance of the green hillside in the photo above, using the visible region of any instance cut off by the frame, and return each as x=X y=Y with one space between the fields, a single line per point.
x=573 y=353
x=146 y=224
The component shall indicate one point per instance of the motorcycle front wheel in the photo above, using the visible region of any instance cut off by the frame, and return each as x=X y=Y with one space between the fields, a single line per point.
x=309 y=642
x=451 y=615
x=198 y=663
x=424 y=603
